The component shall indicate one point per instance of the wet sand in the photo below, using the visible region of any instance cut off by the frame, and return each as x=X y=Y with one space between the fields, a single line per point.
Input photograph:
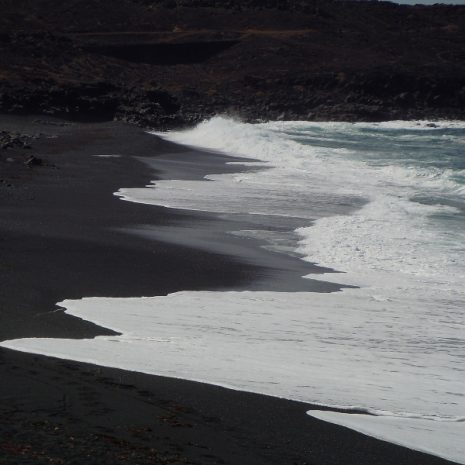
x=64 y=235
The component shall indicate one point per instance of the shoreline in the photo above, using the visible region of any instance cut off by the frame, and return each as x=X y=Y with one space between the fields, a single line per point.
x=108 y=411
x=74 y=178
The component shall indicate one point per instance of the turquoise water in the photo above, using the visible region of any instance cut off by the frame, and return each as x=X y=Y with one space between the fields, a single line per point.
x=427 y=157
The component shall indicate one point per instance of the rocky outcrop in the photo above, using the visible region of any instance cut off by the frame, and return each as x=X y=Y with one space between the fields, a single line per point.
x=164 y=63
x=92 y=101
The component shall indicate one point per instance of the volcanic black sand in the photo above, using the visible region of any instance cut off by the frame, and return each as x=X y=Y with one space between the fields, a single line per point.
x=65 y=235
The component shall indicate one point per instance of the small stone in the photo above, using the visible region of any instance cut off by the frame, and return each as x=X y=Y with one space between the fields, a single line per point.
x=33 y=161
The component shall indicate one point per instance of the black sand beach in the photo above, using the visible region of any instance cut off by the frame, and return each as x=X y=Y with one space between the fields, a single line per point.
x=64 y=235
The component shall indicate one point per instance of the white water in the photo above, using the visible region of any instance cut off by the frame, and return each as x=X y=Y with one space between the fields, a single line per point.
x=395 y=359
x=394 y=347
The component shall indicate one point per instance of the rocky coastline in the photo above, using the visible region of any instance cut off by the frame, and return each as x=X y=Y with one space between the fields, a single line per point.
x=173 y=63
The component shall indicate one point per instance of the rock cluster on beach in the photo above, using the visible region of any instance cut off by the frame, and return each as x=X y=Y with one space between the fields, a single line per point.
x=13 y=140
x=165 y=63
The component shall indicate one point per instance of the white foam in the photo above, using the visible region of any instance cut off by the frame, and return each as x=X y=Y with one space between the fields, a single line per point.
x=388 y=242
x=405 y=433
x=400 y=356
x=391 y=235
x=391 y=247
x=108 y=156
x=305 y=195
x=394 y=347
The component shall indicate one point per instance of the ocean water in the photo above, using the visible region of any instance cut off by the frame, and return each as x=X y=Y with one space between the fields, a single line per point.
x=384 y=206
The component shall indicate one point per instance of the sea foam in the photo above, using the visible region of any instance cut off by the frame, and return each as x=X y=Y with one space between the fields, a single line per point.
x=398 y=359
x=381 y=203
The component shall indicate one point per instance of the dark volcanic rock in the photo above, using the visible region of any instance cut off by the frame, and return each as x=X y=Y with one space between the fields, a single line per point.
x=165 y=63
x=10 y=140
x=34 y=161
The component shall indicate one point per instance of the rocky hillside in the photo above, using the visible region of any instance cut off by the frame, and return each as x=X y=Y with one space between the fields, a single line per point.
x=171 y=62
